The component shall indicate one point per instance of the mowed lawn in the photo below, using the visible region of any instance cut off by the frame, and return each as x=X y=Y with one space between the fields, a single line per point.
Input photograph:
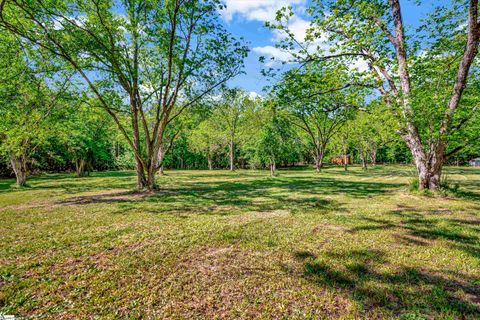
x=241 y=245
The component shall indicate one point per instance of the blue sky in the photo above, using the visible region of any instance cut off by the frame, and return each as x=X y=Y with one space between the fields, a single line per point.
x=246 y=18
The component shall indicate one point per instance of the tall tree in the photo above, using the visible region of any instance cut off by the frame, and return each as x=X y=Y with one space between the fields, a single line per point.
x=230 y=111
x=87 y=134
x=277 y=141
x=373 y=33
x=316 y=109
x=30 y=101
x=158 y=57
x=372 y=129
x=207 y=139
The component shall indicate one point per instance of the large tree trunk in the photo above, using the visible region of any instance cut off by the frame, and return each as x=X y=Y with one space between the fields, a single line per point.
x=19 y=165
x=232 y=155
x=141 y=179
x=429 y=164
x=432 y=177
x=429 y=178
x=151 y=185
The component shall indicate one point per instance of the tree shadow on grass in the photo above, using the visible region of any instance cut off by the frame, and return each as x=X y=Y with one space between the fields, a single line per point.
x=367 y=277
x=262 y=194
x=70 y=183
x=6 y=184
x=417 y=228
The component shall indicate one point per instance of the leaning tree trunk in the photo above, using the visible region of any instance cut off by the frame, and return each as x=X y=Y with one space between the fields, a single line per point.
x=141 y=179
x=19 y=165
x=161 y=155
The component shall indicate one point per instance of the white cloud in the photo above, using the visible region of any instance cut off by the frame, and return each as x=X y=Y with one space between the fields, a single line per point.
x=252 y=95
x=60 y=23
x=260 y=10
x=462 y=26
x=297 y=26
x=359 y=64
x=272 y=52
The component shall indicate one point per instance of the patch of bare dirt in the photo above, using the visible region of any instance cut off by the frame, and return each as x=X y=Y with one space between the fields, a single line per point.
x=33 y=204
x=234 y=282
x=259 y=215
x=113 y=196
x=329 y=226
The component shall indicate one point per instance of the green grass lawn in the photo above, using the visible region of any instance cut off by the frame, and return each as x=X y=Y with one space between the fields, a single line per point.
x=241 y=245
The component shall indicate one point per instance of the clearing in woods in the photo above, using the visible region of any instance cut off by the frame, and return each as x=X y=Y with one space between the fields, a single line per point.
x=215 y=244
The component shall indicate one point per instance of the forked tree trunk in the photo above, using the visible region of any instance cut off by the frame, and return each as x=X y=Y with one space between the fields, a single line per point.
x=318 y=165
x=319 y=155
x=429 y=163
x=84 y=166
x=19 y=165
x=273 y=168
x=162 y=170
x=151 y=185
x=80 y=165
x=141 y=179
x=429 y=178
x=430 y=172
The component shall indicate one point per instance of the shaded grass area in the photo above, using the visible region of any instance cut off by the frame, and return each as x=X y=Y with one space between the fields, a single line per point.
x=218 y=244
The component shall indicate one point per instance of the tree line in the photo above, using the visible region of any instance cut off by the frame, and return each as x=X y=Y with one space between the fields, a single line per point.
x=95 y=85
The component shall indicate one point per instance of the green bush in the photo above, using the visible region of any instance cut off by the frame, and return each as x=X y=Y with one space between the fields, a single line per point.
x=125 y=161
x=414 y=184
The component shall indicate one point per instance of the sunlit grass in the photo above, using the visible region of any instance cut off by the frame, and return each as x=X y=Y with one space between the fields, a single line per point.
x=241 y=245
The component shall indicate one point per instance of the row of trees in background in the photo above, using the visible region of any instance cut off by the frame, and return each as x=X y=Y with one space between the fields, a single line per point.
x=231 y=130
x=91 y=85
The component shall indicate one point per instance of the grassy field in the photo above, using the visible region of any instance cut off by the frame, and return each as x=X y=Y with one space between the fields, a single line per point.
x=241 y=245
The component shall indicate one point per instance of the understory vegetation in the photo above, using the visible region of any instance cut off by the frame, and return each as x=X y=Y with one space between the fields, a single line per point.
x=220 y=244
